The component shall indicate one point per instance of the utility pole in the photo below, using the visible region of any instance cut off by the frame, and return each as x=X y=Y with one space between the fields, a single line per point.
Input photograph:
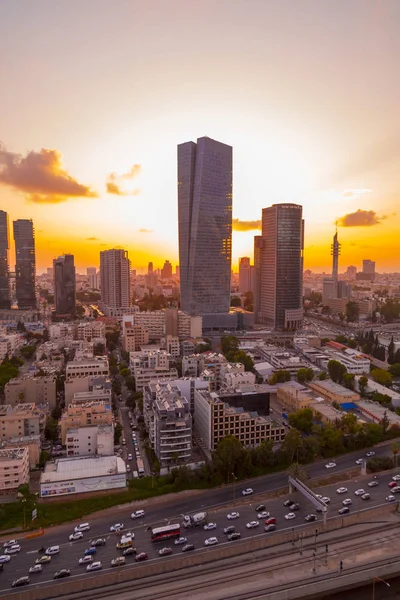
x=315 y=539
x=326 y=555
x=379 y=579
x=301 y=544
x=315 y=562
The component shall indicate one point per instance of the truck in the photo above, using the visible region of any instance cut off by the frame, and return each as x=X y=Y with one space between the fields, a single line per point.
x=195 y=520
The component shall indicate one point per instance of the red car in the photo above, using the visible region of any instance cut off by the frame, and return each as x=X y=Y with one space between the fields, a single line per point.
x=392 y=484
x=270 y=521
x=141 y=556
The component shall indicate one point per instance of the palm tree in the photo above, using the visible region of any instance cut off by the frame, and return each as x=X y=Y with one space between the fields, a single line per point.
x=395 y=450
x=298 y=472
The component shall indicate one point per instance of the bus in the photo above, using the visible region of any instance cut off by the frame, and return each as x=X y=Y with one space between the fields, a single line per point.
x=140 y=467
x=159 y=534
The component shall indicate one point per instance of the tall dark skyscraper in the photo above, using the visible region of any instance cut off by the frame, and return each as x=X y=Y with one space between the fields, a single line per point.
x=281 y=292
x=335 y=252
x=64 y=284
x=5 y=302
x=25 y=264
x=205 y=225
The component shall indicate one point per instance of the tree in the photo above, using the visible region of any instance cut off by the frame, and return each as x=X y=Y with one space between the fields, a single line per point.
x=28 y=351
x=130 y=383
x=336 y=371
x=394 y=369
x=322 y=376
x=228 y=456
x=292 y=444
x=51 y=429
x=395 y=451
x=352 y=311
x=56 y=413
x=241 y=357
x=125 y=372
x=229 y=343
x=381 y=376
x=385 y=423
x=235 y=301
x=99 y=349
x=303 y=375
x=116 y=387
x=348 y=381
x=21 y=327
x=280 y=376
x=303 y=420
x=362 y=384
x=117 y=433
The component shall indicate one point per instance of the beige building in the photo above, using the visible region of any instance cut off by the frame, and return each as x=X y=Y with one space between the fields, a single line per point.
x=214 y=419
x=32 y=390
x=81 y=415
x=293 y=396
x=91 y=330
x=91 y=367
x=21 y=420
x=14 y=468
x=31 y=442
x=333 y=392
x=134 y=336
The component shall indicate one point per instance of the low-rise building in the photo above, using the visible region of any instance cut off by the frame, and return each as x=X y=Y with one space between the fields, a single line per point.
x=90 y=331
x=148 y=365
x=32 y=390
x=172 y=346
x=32 y=442
x=373 y=386
x=95 y=367
x=238 y=380
x=97 y=393
x=81 y=415
x=85 y=384
x=333 y=392
x=376 y=412
x=14 y=468
x=90 y=440
x=21 y=420
x=293 y=396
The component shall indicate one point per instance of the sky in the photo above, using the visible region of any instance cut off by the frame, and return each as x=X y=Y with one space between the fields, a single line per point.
x=96 y=95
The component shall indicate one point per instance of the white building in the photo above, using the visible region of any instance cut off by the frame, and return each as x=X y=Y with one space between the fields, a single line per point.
x=91 y=331
x=97 y=440
x=172 y=345
x=238 y=380
x=373 y=386
x=61 y=330
x=355 y=362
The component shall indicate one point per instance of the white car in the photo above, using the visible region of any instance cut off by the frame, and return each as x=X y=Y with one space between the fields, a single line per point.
x=347 y=502
x=212 y=541
x=117 y=527
x=247 y=492
x=390 y=498
x=319 y=496
x=330 y=465
x=233 y=515
x=290 y=516
x=326 y=499
x=209 y=526
x=36 y=569
x=52 y=550
x=82 y=527
x=253 y=524
x=129 y=456
x=359 y=461
x=263 y=515
x=75 y=536
x=396 y=478
x=85 y=560
x=10 y=543
x=129 y=534
x=341 y=490
x=94 y=566
x=4 y=558
x=373 y=483
x=14 y=549
x=369 y=454
x=359 y=492
x=138 y=514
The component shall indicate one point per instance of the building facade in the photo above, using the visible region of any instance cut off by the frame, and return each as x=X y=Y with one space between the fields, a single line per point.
x=25 y=264
x=97 y=440
x=92 y=367
x=244 y=275
x=205 y=225
x=31 y=390
x=115 y=278
x=5 y=300
x=14 y=468
x=84 y=415
x=64 y=284
x=21 y=420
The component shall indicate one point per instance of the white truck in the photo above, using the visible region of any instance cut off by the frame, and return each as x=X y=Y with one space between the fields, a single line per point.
x=195 y=520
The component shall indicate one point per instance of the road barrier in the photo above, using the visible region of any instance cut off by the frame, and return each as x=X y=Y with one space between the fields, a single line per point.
x=34 y=534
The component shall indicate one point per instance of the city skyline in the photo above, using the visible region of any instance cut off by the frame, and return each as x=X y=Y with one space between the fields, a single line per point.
x=316 y=129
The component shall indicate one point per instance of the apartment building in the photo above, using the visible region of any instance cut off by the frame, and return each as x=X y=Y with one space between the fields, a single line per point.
x=21 y=420
x=94 y=440
x=160 y=323
x=134 y=336
x=215 y=419
x=14 y=468
x=78 y=385
x=32 y=390
x=90 y=331
x=172 y=346
x=81 y=415
x=61 y=330
x=97 y=393
x=238 y=380
x=143 y=376
x=93 y=367
x=32 y=442
x=333 y=392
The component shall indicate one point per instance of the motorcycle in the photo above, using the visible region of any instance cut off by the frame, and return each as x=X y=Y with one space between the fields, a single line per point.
x=41 y=550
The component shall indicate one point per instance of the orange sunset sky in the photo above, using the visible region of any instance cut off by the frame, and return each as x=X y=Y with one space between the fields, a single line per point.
x=96 y=95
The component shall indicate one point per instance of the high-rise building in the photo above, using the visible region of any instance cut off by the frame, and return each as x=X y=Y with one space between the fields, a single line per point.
x=244 y=275
x=369 y=267
x=205 y=225
x=115 y=278
x=177 y=271
x=335 y=252
x=93 y=278
x=258 y=244
x=64 y=284
x=351 y=273
x=166 y=271
x=25 y=263
x=282 y=266
x=150 y=268
x=5 y=301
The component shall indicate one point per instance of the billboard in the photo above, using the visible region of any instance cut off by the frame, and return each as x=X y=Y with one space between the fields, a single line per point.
x=80 y=486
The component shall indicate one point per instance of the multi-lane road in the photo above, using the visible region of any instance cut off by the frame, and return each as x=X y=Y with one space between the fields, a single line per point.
x=164 y=513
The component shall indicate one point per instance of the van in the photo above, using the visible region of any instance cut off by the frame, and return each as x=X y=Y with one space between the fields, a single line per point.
x=82 y=527
x=125 y=542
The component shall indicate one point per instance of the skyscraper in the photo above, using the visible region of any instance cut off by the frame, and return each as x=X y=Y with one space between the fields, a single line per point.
x=205 y=225
x=282 y=266
x=25 y=263
x=258 y=244
x=5 y=302
x=166 y=271
x=335 y=252
x=244 y=274
x=115 y=278
x=369 y=266
x=64 y=284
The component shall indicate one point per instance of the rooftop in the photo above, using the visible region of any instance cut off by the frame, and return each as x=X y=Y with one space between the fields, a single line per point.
x=82 y=467
x=334 y=388
x=12 y=453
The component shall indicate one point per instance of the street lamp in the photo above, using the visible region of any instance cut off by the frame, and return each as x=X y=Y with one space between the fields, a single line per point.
x=373 y=585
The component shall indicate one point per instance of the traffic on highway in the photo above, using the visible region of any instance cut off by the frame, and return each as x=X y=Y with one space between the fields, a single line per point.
x=82 y=550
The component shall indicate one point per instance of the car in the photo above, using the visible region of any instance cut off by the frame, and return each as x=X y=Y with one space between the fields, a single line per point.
x=234 y=536
x=78 y=535
x=395 y=490
x=319 y=496
x=290 y=516
x=344 y=510
x=84 y=560
x=253 y=524
x=210 y=526
x=62 y=573
x=233 y=515
x=270 y=527
x=330 y=465
x=90 y=551
x=98 y=542
x=82 y=527
x=373 y=483
x=10 y=543
x=390 y=498
x=36 y=569
x=14 y=549
x=43 y=560
x=129 y=456
x=370 y=453
x=359 y=492
x=53 y=550
x=212 y=541
x=20 y=581
x=165 y=551
x=270 y=521
x=229 y=529
x=260 y=507
x=392 y=484
x=4 y=558
x=129 y=534
x=294 y=506
x=247 y=492
x=341 y=490
x=141 y=556
x=366 y=497
x=359 y=461
x=129 y=551
x=116 y=527
x=288 y=502
x=326 y=499
x=263 y=515
x=180 y=541
x=124 y=442
x=117 y=562
x=396 y=478
x=310 y=518
x=94 y=566
x=138 y=514
x=187 y=547
x=347 y=502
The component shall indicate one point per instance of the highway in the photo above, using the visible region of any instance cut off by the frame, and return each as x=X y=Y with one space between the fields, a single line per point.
x=165 y=513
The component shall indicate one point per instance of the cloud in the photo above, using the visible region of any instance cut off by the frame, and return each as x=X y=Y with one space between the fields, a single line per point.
x=355 y=192
x=239 y=225
x=92 y=239
x=145 y=230
x=41 y=176
x=113 y=183
x=361 y=218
